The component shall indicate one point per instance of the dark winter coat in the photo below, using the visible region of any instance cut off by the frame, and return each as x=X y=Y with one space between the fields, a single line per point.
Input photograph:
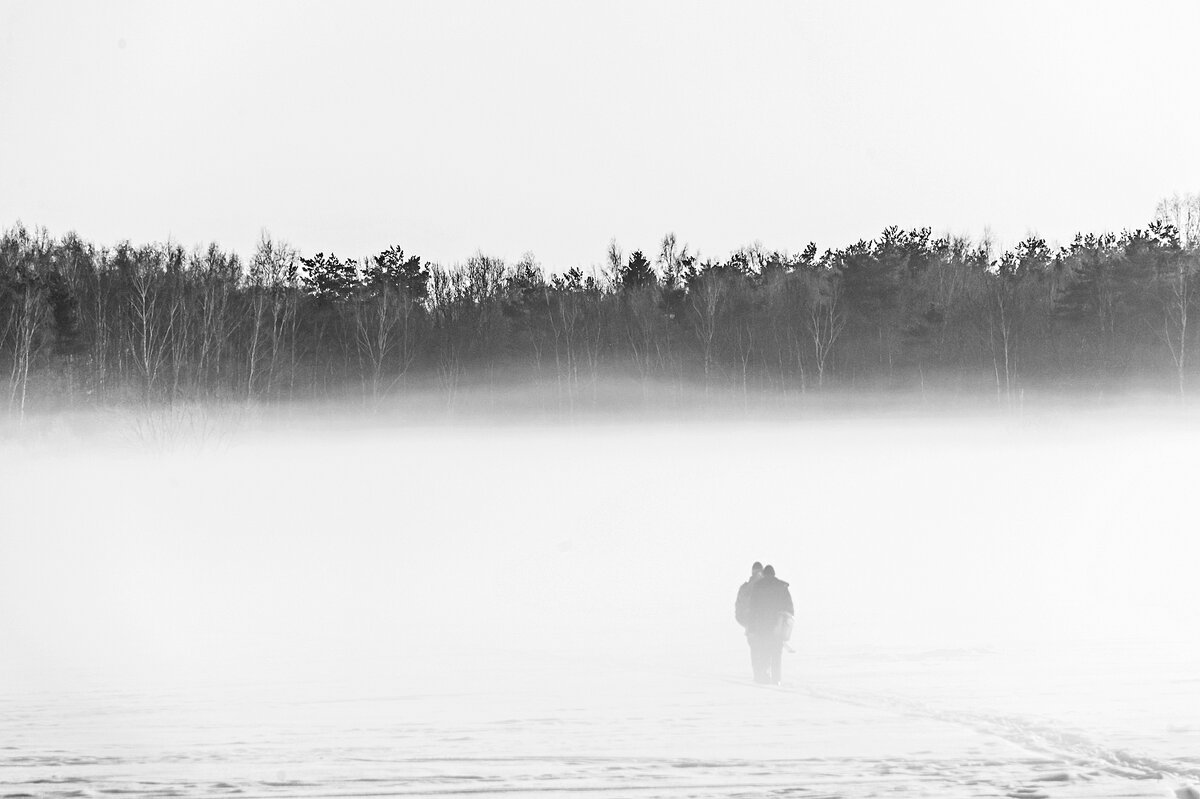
x=741 y=607
x=769 y=597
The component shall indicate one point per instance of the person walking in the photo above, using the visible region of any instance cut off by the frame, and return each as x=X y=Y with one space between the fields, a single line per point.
x=768 y=625
x=741 y=612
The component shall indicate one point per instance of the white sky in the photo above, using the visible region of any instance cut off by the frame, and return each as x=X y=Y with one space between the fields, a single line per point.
x=448 y=127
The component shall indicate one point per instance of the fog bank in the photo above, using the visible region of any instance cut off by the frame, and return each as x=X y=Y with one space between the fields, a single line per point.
x=339 y=551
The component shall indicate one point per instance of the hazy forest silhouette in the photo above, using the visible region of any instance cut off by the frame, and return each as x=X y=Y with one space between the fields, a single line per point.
x=86 y=325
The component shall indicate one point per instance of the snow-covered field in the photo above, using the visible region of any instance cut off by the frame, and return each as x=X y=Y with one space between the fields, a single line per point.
x=986 y=607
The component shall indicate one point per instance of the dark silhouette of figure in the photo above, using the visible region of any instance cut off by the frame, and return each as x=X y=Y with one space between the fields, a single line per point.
x=741 y=612
x=741 y=608
x=769 y=611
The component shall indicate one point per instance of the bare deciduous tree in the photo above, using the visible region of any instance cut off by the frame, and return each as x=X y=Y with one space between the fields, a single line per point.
x=824 y=313
x=151 y=317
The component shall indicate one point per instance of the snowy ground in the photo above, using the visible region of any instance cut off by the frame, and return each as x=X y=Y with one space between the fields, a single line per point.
x=986 y=607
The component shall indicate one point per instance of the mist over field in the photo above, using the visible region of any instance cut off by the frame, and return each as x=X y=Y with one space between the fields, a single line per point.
x=943 y=530
x=564 y=589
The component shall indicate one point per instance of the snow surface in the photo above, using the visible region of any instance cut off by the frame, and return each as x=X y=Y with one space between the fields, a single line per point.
x=986 y=607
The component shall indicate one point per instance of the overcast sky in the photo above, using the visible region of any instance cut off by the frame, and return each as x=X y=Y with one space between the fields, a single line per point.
x=450 y=127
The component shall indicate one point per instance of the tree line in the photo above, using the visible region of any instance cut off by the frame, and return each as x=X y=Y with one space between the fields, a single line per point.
x=87 y=324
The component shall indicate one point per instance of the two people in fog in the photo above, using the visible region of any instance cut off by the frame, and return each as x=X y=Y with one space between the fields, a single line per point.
x=764 y=609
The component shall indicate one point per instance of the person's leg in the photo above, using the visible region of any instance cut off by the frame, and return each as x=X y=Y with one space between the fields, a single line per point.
x=760 y=658
x=777 y=662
